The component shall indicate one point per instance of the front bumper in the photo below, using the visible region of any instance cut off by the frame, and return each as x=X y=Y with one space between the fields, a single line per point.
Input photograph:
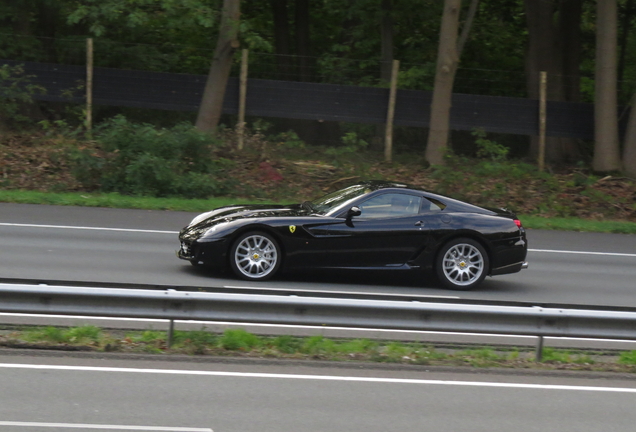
x=206 y=252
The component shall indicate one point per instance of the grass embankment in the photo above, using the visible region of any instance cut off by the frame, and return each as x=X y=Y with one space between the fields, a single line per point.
x=239 y=343
x=128 y=165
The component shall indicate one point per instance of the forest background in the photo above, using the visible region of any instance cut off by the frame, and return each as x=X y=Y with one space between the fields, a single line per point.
x=45 y=146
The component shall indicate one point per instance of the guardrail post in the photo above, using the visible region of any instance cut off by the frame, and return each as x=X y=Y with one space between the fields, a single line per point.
x=539 y=352
x=170 y=333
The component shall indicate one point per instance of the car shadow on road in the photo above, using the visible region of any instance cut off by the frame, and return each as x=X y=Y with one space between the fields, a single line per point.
x=354 y=279
x=407 y=279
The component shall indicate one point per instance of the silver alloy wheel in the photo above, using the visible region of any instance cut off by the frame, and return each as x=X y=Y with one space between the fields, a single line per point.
x=256 y=256
x=463 y=264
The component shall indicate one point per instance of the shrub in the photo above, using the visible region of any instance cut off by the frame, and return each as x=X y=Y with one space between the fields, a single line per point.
x=16 y=93
x=238 y=339
x=140 y=159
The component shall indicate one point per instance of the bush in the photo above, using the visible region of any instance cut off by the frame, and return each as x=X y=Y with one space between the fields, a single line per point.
x=16 y=94
x=140 y=159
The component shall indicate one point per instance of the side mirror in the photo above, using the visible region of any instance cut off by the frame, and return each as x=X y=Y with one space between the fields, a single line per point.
x=354 y=211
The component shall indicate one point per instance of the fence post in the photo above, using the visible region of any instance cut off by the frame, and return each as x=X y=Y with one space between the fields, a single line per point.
x=542 y=118
x=89 y=84
x=242 y=95
x=539 y=351
x=388 y=134
x=170 y=334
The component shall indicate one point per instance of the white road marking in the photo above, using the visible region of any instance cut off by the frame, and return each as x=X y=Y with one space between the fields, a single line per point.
x=177 y=232
x=321 y=378
x=108 y=427
x=90 y=228
x=582 y=252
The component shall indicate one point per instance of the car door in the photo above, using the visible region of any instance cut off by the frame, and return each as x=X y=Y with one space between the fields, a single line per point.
x=389 y=231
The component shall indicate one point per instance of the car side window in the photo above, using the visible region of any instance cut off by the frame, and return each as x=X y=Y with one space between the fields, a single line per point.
x=433 y=205
x=390 y=205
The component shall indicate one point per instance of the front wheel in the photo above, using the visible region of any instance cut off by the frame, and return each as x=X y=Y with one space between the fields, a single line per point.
x=255 y=256
x=462 y=264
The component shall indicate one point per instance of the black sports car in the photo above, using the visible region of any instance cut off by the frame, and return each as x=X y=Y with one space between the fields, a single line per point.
x=368 y=225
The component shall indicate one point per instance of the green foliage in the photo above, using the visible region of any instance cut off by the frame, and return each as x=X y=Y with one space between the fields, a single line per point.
x=551 y=355
x=318 y=346
x=627 y=357
x=74 y=335
x=481 y=357
x=488 y=149
x=351 y=145
x=86 y=333
x=238 y=339
x=140 y=159
x=289 y=139
x=102 y=15
x=48 y=334
x=287 y=344
x=16 y=93
x=420 y=77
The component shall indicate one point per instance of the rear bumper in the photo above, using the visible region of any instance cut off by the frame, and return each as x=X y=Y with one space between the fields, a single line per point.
x=511 y=268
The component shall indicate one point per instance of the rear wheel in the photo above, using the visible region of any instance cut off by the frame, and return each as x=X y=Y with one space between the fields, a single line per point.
x=255 y=256
x=462 y=264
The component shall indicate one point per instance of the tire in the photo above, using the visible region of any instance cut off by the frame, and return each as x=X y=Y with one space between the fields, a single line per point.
x=462 y=264
x=255 y=256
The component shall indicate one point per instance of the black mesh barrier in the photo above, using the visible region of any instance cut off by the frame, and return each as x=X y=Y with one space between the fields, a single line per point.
x=300 y=100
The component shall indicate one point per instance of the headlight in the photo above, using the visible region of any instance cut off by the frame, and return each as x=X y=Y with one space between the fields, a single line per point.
x=214 y=228
x=206 y=215
x=199 y=218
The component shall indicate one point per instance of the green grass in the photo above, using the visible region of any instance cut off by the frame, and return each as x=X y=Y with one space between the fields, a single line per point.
x=238 y=342
x=75 y=335
x=565 y=224
x=115 y=200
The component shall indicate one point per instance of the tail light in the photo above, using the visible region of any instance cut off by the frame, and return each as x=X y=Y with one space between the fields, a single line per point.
x=518 y=223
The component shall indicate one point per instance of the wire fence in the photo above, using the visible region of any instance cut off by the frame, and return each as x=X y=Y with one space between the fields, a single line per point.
x=327 y=69
x=171 y=77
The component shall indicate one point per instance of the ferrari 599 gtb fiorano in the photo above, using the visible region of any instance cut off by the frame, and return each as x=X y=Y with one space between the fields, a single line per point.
x=375 y=225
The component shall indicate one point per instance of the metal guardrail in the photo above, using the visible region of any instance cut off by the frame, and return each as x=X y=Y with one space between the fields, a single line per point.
x=314 y=311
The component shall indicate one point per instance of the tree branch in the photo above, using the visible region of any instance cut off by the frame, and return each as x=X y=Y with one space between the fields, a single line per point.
x=472 y=11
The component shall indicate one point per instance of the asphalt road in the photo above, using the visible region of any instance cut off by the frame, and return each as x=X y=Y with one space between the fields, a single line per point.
x=42 y=392
x=137 y=246
x=65 y=394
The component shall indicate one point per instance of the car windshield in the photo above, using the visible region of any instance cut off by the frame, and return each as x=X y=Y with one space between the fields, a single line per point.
x=336 y=199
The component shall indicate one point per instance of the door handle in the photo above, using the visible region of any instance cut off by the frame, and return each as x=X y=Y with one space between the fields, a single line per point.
x=419 y=223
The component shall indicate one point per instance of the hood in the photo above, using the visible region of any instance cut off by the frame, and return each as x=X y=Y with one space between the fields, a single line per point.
x=203 y=222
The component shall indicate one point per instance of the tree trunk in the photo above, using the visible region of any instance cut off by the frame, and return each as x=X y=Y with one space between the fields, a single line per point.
x=570 y=12
x=629 y=151
x=386 y=32
x=281 y=39
x=570 y=36
x=463 y=37
x=606 y=147
x=386 y=63
x=447 y=60
x=554 y=47
x=628 y=10
x=214 y=93
x=542 y=56
x=303 y=47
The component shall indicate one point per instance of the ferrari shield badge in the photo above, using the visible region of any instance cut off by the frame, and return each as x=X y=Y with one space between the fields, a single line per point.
x=292 y=228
